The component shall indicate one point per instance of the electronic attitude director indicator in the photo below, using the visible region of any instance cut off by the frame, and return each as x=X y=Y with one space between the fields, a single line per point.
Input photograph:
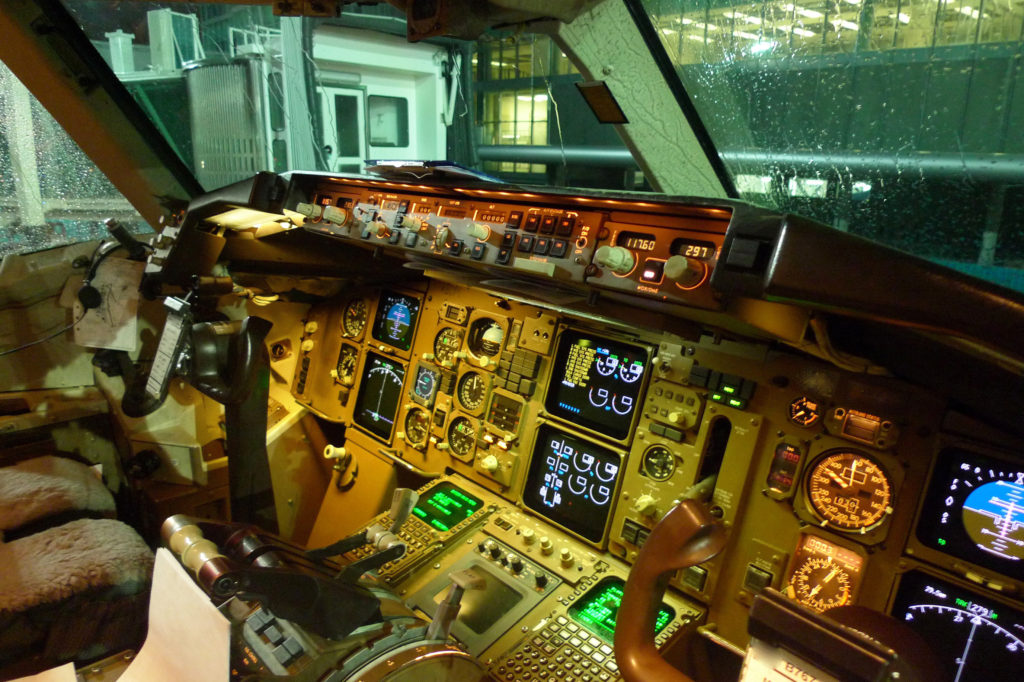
x=975 y=511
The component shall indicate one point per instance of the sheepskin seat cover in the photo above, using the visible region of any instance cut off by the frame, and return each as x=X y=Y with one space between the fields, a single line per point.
x=49 y=486
x=73 y=591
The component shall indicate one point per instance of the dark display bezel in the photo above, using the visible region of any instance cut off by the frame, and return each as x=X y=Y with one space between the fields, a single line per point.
x=587 y=521
x=952 y=539
x=560 y=399
x=359 y=415
x=378 y=330
x=911 y=591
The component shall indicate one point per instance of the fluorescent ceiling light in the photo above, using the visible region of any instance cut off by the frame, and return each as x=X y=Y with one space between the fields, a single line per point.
x=849 y=25
x=804 y=32
x=763 y=46
x=748 y=36
x=809 y=13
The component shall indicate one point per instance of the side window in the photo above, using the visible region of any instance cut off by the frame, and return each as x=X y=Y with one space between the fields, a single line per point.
x=51 y=194
x=389 y=121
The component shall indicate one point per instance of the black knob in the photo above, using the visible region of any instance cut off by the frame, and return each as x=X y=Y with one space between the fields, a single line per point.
x=517 y=564
x=541 y=579
x=495 y=552
x=482 y=548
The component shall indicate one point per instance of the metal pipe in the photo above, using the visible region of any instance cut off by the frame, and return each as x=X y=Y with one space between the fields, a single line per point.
x=1007 y=168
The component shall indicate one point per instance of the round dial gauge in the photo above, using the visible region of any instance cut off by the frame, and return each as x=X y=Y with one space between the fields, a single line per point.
x=849 y=491
x=446 y=343
x=659 y=463
x=472 y=390
x=461 y=437
x=347 y=360
x=486 y=337
x=822 y=583
x=353 y=320
x=804 y=411
x=417 y=427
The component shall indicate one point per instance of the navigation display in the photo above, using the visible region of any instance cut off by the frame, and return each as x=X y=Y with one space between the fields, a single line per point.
x=974 y=510
x=396 y=319
x=380 y=392
x=975 y=639
x=596 y=382
x=571 y=482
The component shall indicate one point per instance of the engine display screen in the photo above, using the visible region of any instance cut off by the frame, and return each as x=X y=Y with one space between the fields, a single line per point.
x=380 y=392
x=596 y=382
x=446 y=506
x=975 y=639
x=974 y=510
x=599 y=607
x=396 y=319
x=571 y=482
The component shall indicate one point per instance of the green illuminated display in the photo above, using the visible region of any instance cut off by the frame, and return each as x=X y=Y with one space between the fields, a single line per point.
x=598 y=608
x=446 y=506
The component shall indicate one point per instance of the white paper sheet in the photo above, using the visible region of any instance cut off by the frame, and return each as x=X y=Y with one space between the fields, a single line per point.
x=113 y=325
x=188 y=637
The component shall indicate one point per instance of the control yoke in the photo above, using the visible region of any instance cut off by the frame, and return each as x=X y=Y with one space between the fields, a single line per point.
x=228 y=362
x=687 y=536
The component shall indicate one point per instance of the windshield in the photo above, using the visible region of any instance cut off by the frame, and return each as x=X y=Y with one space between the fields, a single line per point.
x=898 y=120
x=892 y=120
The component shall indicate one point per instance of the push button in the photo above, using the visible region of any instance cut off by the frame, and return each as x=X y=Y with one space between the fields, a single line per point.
x=525 y=243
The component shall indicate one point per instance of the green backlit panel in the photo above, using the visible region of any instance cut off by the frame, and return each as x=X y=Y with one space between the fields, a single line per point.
x=598 y=608
x=445 y=506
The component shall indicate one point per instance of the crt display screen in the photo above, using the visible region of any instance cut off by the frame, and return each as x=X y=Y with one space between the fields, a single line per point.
x=380 y=392
x=599 y=607
x=974 y=639
x=596 y=382
x=446 y=506
x=396 y=319
x=974 y=510
x=571 y=482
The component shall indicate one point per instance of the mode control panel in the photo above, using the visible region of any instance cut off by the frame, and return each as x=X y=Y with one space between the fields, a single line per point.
x=664 y=250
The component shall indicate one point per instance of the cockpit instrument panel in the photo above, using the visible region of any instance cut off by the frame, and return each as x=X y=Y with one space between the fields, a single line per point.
x=974 y=638
x=572 y=482
x=380 y=392
x=974 y=510
x=597 y=383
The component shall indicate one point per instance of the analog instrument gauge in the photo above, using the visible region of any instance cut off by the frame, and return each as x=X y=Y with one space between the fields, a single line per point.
x=353 y=320
x=824 y=575
x=804 y=412
x=348 y=358
x=486 y=337
x=461 y=437
x=472 y=390
x=659 y=463
x=425 y=387
x=417 y=427
x=446 y=343
x=849 y=491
